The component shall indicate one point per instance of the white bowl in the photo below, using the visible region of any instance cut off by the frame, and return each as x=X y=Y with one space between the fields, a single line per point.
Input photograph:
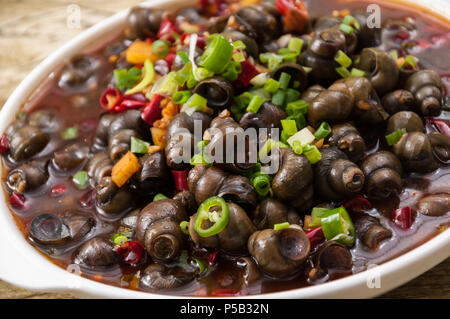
x=23 y=266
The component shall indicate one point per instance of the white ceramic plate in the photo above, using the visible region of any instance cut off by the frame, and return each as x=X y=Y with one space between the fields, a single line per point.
x=22 y=265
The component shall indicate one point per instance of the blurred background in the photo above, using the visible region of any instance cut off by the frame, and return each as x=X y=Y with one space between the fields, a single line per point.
x=32 y=29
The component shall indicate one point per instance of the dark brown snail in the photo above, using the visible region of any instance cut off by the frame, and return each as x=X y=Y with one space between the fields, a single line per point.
x=370 y=231
x=233 y=238
x=347 y=138
x=427 y=88
x=383 y=172
x=293 y=183
x=270 y=212
x=335 y=177
x=279 y=252
x=205 y=182
x=158 y=228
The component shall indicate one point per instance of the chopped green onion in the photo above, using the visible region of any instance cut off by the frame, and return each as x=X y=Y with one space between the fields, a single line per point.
x=297 y=107
x=268 y=146
x=281 y=226
x=69 y=133
x=287 y=55
x=346 y=29
x=299 y=120
x=201 y=159
x=284 y=136
x=239 y=57
x=167 y=85
x=203 y=74
x=295 y=44
x=291 y=95
x=255 y=104
x=351 y=21
x=271 y=85
x=232 y=71
x=126 y=79
x=307 y=69
x=184 y=225
x=304 y=136
x=343 y=72
x=81 y=180
x=279 y=97
x=323 y=131
x=394 y=54
x=198 y=101
x=159 y=197
x=261 y=183
x=148 y=73
x=181 y=97
x=357 y=72
x=410 y=61
x=342 y=59
x=316 y=214
x=183 y=56
x=217 y=54
x=289 y=126
x=297 y=148
x=312 y=153
x=160 y=48
x=139 y=146
x=285 y=78
x=336 y=225
x=239 y=45
x=203 y=266
x=246 y=97
x=395 y=136
x=274 y=61
x=260 y=79
x=119 y=239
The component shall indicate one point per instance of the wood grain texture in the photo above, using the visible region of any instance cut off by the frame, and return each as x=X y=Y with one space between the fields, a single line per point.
x=31 y=29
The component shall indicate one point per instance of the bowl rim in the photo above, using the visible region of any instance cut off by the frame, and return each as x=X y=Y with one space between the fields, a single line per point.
x=46 y=276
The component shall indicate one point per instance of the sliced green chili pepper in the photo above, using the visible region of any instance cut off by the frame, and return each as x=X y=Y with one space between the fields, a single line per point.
x=219 y=219
x=148 y=74
x=337 y=225
x=184 y=225
x=323 y=131
x=217 y=54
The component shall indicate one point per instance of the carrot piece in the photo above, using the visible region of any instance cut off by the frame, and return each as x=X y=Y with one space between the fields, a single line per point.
x=154 y=148
x=319 y=143
x=158 y=136
x=139 y=51
x=170 y=111
x=124 y=169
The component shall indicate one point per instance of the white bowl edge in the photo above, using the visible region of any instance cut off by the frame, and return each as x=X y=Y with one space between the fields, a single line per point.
x=22 y=265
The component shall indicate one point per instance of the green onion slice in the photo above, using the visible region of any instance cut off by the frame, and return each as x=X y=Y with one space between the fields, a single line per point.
x=395 y=136
x=281 y=226
x=184 y=225
x=312 y=153
x=217 y=54
x=323 y=131
x=81 y=180
x=343 y=59
x=69 y=133
x=139 y=146
x=159 y=197
x=148 y=72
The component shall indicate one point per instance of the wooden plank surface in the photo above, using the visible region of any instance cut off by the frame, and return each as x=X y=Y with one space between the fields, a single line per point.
x=30 y=30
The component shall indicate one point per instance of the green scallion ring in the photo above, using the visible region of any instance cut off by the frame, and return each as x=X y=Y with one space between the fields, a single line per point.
x=184 y=225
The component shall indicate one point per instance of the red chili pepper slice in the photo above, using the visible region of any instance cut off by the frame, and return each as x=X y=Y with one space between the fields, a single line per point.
x=442 y=126
x=180 y=178
x=167 y=29
x=58 y=190
x=131 y=252
x=296 y=14
x=152 y=111
x=226 y=293
x=211 y=257
x=404 y=217
x=4 y=143
x=316 y=236
x=17 y=200
x=110 y=98
x=249 y=71
x=170 y=58
x=357 y=204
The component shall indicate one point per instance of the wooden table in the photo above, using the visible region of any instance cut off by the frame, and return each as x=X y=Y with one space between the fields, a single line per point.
x=30 y=30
